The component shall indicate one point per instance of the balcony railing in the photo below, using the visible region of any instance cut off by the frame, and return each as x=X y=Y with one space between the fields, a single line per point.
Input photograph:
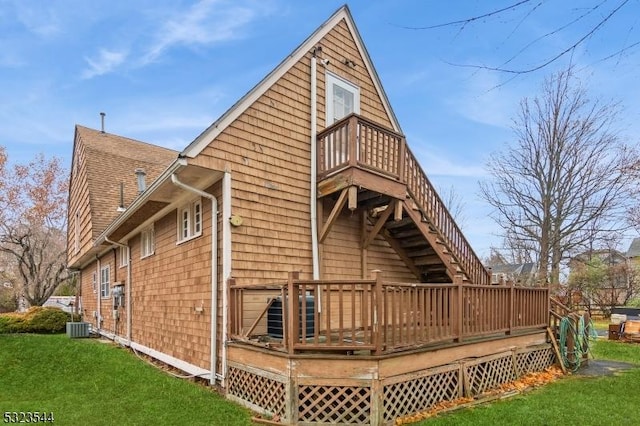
x=357 y=142
x=381 y=317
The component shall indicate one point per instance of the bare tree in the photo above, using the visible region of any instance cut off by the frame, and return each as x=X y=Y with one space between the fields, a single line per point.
x=578 y=26
x=565 y=181
x=455 y=204
x=32 y=225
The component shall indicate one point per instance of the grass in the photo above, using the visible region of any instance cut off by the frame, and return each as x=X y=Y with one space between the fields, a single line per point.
x=84 y=381
x=573 y=400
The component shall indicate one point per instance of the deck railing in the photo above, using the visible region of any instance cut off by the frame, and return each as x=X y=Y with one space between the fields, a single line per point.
x=380 y=317
x=357 y=142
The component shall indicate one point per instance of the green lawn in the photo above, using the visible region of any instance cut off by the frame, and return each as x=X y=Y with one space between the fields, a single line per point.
x=86 y=382
x=572 y=400
x=83 y=381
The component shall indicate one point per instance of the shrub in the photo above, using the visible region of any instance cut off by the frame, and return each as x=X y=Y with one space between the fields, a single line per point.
x=35 y=320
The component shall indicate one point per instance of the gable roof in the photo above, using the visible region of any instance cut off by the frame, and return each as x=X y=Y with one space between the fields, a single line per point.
x=634 y=248
x=343 y=13
x=110 y=160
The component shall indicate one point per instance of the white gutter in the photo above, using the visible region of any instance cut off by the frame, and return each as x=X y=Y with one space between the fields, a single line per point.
x=128 y=253
x=226 y=265
x=214 y=269
x=313 y=199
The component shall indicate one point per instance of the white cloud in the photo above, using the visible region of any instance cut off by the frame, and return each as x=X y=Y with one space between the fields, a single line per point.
x=437 y=163
x=206 y=23
x=38 y=20
x=482 y=99
x=107 y=61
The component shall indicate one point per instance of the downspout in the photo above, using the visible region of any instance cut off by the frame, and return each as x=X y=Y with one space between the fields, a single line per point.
x=214 y=268
x=314 y=164
x=128 y=252
x=226 y=265
x=98 y=294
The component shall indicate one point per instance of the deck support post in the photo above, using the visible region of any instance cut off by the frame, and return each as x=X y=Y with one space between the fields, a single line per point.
x=353 y=141
x=292 y=314
x=459 y=317
x=511 y=310
x=378 y=313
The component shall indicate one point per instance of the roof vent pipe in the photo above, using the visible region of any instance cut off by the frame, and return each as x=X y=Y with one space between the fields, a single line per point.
x=140 y=175
x=121 y=205
x=102 y=114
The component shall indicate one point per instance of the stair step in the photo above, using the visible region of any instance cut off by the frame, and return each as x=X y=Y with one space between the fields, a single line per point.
x=407 y=233
x=427 y=251
x=427 y=261
x=392 y=224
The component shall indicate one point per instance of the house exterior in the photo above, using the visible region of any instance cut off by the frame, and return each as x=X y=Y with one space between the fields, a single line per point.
x=305 y=189
x=614 y=290
x=520 y=273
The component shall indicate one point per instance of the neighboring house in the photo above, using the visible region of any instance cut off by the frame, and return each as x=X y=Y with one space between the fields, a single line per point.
x=66 y=303
x=613 y=289
x=519 y=273
x=306 y=186
x=633 y=253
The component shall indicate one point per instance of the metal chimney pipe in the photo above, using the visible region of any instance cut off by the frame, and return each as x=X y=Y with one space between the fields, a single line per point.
x=140 y=175
x=102 y=114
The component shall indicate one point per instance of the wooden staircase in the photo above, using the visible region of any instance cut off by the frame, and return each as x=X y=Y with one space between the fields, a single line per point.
x=401 y=203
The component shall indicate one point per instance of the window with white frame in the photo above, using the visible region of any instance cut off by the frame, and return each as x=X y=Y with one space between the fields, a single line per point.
x=123 y=254
x=342 y=97
x=147 y=242
x=105 y=281
x=94 y=281
x=190 y=220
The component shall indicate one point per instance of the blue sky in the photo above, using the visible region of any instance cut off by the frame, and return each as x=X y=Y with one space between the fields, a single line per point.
x=163 y=71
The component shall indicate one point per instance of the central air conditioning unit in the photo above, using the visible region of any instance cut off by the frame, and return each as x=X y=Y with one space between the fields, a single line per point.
x=77 y=329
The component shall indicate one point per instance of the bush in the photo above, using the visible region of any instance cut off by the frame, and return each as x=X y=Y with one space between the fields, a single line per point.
x=35 y=320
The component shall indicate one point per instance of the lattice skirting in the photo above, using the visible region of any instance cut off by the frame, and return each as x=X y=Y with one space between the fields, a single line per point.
x=334 y=404
x=324 y=401
x=259 y=390
x=403 y=397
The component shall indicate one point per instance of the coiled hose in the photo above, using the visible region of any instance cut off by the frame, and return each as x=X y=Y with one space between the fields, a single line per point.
x=582 y=338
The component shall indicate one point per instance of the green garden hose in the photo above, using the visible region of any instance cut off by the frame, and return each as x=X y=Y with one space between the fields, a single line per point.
x=582 y=337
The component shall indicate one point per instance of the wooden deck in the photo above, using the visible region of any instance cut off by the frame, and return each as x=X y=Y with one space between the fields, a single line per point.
x=369 y=351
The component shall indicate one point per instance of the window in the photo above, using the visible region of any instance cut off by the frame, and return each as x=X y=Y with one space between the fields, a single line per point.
x=94 y=281
x=343 y=98
x=190 y=220
x=123 y=254
x=147 y=242
x=105 y=273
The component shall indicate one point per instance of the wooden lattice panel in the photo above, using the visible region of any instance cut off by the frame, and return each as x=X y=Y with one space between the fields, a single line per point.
x=534 y=360
x=487 y=373
x=258 y=390
x=334 y=404
x=419 y=393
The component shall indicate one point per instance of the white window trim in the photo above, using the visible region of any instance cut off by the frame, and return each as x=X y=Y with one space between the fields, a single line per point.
x=147 y=238
x=94 y=281
x=105 y=294
x=331 y=80
x=123 y=257
x=191 y=223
